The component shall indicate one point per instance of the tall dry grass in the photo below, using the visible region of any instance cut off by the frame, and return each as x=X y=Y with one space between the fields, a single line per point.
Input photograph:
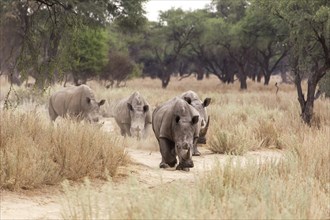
x=33 y=151
x=298 y=187
x=251 y=191
x=241 y=121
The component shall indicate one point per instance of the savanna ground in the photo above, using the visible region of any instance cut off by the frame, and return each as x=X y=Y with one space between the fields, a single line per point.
x=260 y=160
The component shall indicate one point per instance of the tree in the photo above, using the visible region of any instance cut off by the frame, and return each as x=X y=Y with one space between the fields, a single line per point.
x=89 y=52
x=164 y=43
x=119 y=68
x=309 y=36
x=270 y=46
x=45 y=26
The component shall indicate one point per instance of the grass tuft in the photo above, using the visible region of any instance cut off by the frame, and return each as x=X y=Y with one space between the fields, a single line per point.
x=33 y=151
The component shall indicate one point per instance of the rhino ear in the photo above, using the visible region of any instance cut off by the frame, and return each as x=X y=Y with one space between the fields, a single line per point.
x=146 y=108
x=129 y=106
x=88 y=100
x=187 y=99
x=206 y=102
x=101 y=102
x=177 y=119
x=195 y=119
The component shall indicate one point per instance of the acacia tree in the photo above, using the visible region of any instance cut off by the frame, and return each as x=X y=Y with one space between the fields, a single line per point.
x=164 y=42
x=269 y=45
x=309 y=36
x=89 y=52
x=45 y=26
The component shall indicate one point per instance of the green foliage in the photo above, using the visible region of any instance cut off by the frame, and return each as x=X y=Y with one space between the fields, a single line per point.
x=44 y=30
x=90 y=51
x=308 y=23
x=136 y=72
x=231 y=10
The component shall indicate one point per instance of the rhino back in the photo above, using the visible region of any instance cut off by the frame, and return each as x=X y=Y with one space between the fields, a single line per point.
x=71 y=100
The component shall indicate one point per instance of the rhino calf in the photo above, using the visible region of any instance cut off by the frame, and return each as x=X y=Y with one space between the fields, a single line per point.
x=133 y=116
x=176 y=127
x=77 y=101
x=193 y=99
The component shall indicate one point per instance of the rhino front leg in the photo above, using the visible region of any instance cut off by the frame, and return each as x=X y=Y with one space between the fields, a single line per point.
x=195 y=151
x=168 y=153
x=125 y=130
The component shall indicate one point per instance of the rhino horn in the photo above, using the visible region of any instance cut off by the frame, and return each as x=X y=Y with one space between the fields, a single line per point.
x=188 y=154
x=204 y=130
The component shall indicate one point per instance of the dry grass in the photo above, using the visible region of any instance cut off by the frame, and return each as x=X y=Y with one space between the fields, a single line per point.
x=34 y=152
x=296 y=188
x=250 y=191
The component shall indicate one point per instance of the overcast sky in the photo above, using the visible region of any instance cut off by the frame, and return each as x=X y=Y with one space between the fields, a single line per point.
x=153 y=7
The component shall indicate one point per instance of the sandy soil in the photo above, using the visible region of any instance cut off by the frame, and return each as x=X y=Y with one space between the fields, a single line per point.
x=46 y=203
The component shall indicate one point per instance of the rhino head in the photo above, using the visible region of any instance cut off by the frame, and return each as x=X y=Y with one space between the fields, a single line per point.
x=138 y=112
x=92 y=109
x=204 y=119
x=184 y=138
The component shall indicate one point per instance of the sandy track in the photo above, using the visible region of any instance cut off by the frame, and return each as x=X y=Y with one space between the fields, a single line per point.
x=46 y=204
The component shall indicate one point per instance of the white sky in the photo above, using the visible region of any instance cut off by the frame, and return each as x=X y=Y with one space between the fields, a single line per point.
x=152 y=7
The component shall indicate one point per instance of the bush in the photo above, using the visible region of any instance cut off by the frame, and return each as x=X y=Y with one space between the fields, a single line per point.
x=267 y=134
x=224 y=142
x=33 y=152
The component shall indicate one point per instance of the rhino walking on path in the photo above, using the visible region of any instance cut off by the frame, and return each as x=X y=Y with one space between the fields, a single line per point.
x=176 y=127
x=133 y=116
x=192 y=98
x=77 y=101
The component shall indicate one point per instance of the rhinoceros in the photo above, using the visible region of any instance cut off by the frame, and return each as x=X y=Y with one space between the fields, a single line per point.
x=133 y=116
x=192 y=98
x=176 y=127
x=77 y=101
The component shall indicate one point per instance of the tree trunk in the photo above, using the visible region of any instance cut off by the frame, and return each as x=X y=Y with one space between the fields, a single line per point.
x=243 y=83
x=242 y=77
x=308 y=105
x=267 y=79
x=200 y=75
x=253 y=77
x=166 y=80
x=13 y=77
x=259 y=76
x=40 y=82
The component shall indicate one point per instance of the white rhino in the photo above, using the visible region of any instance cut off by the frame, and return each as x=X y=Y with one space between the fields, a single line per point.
x=77 y=101
x=133 y=116
x=176 y=127
x=192 y=98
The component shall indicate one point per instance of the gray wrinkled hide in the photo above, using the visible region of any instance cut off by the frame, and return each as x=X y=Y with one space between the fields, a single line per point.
x=135 y=120
x=200 y=106
x=176 y=127
x=76 y=101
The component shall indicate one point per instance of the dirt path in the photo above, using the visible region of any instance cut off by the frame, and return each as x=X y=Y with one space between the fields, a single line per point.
x=46 y=204
x=146 y=165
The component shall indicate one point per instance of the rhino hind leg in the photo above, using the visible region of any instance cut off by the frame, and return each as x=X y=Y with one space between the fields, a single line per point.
x=168 y=153
x=53 y=115
x=201 y=140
